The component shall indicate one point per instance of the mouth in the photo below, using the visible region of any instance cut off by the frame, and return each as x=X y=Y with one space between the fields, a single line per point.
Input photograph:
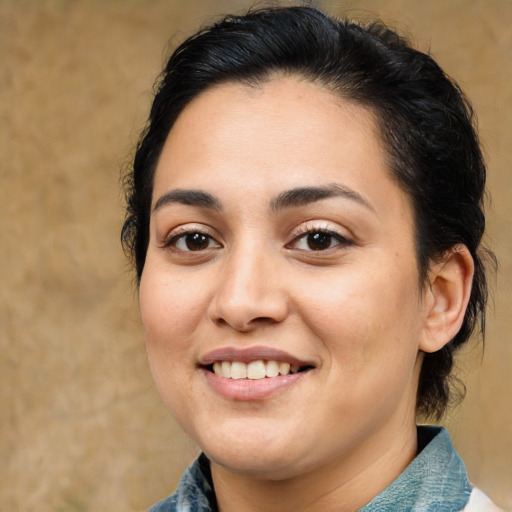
x=253 y=373
x=255 y=370
x=254 y=363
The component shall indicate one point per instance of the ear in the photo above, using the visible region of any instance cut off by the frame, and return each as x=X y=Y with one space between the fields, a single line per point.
x=446 y=297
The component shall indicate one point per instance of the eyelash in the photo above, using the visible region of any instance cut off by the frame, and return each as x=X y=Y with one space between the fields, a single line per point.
x=315 y=230
x=179 y=234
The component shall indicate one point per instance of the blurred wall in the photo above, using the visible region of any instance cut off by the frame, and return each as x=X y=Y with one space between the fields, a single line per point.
x=81 y=427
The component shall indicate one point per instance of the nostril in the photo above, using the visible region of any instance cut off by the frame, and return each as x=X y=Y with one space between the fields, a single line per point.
x=243 y=325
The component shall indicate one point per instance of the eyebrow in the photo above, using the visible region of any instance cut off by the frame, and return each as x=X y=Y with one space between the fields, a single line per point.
x=305 y=195
x=190 y=198
x=292 y=198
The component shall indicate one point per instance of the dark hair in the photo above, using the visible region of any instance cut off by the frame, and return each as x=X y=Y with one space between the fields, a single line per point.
x=425 y=123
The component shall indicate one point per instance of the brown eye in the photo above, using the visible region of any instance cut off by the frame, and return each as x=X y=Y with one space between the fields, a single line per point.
x=196 y=241
x=193 y=241
x=319 y=241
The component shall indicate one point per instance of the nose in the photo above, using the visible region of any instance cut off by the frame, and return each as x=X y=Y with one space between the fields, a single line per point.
x=249 y=292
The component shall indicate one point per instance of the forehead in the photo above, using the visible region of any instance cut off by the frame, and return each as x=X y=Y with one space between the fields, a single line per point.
x=282 y=134
x=280 y=102
x=281 y=113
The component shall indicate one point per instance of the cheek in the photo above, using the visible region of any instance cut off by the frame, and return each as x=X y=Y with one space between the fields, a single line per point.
x=171 y=312
x=169 y=308
x=368 y=326
x=363 y=313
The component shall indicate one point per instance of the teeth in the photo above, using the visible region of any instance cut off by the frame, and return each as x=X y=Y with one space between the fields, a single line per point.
x=272 y=369
x=284 y=368
x=225 y=369
x=238 y=370
x=255 y=370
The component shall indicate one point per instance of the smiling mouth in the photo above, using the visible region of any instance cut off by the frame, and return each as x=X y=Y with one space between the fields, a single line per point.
x=254 y=370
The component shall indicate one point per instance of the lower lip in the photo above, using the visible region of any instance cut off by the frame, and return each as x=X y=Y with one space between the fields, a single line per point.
x=250 y=390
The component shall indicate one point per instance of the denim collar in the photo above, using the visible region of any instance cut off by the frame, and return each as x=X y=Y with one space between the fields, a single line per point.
x=435 y=480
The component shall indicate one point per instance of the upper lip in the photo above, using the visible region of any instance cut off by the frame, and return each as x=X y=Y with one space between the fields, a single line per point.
x=246 y=355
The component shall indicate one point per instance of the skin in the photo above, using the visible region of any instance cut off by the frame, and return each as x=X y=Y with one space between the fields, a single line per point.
x=344 y=430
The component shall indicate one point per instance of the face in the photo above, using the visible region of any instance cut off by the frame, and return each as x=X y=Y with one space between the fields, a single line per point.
x=280 y=296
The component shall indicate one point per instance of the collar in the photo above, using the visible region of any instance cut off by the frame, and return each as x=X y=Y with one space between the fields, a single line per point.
x=435 y=480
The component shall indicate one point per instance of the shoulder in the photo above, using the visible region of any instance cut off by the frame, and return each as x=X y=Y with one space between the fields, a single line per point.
x=479 y=502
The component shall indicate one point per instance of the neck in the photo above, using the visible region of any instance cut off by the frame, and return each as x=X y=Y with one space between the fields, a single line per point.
x=344 y=484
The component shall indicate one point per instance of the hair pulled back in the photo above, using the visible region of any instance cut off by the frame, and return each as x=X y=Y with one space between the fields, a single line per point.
x=426 y=126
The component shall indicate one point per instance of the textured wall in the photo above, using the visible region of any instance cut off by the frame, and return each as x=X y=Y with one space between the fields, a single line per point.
x=81 y=427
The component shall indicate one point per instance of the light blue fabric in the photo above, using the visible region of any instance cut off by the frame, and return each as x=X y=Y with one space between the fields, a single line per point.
x=435 y=481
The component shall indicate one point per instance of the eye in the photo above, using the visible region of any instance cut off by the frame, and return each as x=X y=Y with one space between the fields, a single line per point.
x=192 y=241
x=319 y=240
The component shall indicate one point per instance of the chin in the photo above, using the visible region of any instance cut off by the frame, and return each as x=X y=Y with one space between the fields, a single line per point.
x=254 y=451
x=261 y=466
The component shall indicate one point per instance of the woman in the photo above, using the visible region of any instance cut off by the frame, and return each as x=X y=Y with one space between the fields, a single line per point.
x=305 y=217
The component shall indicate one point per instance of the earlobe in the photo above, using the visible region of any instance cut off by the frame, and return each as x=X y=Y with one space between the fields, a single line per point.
x=446 y=298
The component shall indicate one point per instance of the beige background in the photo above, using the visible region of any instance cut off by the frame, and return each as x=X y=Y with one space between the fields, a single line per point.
x=81 y=427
